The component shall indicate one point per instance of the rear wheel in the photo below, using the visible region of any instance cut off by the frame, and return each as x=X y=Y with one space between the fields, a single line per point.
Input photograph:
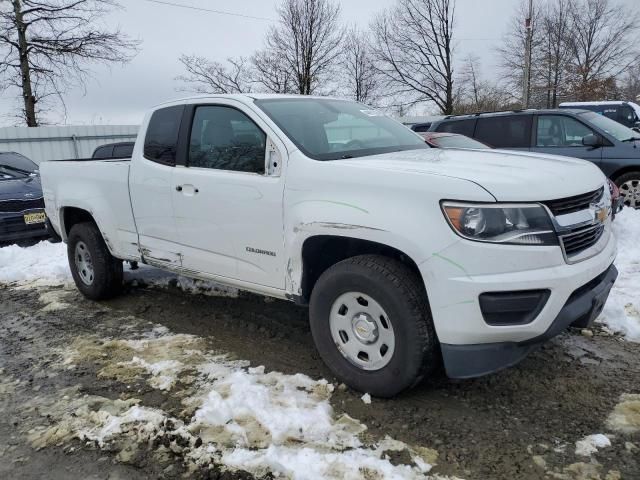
x=629 y=185
x=97 y=274
x=372 y=326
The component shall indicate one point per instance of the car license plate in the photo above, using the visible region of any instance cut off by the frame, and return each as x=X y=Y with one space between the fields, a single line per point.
x=31 y=218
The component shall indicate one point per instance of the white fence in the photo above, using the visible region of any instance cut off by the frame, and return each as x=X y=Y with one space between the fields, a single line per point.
x=58 y=143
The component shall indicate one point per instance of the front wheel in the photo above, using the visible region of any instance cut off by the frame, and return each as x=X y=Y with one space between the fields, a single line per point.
x=97 y=274
x=372 y=326
x=629 y=185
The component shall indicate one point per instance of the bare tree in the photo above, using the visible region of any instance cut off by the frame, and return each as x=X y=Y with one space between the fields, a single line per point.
x=476 y=94
x=307 y=41
x=630 y=85
x=512 y=51
x=603 y=44
x=414 y=50
x=206 y=76
x=361 y=80
x=271 y=73
x=46 y=46
x=556 y=32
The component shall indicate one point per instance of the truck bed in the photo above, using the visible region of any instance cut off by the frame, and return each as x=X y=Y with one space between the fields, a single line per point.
x=100 y=187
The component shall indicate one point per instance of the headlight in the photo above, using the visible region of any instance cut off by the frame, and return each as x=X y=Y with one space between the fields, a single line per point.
x=519 y=224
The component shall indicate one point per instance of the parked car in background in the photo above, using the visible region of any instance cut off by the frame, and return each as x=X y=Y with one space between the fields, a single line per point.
x=451 y=140
x=406 y=255
x=570 y=133
x=420 y=127
x=626 y=113
x=455 y=140
x=22 y=216
x=113 y=150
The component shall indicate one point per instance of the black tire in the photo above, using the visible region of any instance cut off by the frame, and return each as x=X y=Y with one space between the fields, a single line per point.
x=107 y=270
x=634 y=179
x=400 y=292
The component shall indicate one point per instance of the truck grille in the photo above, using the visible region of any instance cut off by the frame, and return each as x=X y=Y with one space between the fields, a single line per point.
x=581 y=238
x=13 y=206
x=574 y=204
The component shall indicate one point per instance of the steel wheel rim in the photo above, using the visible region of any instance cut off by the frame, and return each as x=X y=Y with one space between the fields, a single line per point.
x=84 y=263
x=630 y=191
x=362 y=331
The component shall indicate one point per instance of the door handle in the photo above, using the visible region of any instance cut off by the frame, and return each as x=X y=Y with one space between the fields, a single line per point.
x=190 y=189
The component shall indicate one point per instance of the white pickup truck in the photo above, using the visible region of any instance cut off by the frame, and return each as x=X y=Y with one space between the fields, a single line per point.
x=407 y=256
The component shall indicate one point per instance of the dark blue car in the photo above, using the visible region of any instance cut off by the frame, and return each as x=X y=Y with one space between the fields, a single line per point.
x=22 y=217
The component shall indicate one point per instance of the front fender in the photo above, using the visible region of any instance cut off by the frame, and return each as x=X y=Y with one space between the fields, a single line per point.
x=396 y=209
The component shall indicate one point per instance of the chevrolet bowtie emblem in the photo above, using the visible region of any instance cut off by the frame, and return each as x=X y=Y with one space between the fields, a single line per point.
x=602 y=214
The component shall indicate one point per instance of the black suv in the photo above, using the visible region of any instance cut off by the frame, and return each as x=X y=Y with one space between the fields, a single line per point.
x=572 y=133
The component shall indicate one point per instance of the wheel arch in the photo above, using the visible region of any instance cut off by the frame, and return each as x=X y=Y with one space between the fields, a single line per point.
x=622 y=171
x=70 y=216
x=321 y=251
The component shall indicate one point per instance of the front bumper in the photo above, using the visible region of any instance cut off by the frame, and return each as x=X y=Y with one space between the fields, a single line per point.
x=459 y=274
x=580 y=310
x=14 y=228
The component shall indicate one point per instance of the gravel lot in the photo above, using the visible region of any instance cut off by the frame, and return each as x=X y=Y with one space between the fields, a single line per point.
x=67 y=371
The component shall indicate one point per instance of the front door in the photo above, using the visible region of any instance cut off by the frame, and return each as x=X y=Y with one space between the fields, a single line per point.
x=228 y=209
x=562 y=135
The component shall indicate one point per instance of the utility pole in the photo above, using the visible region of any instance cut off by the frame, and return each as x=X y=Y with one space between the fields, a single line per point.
x=526 y=83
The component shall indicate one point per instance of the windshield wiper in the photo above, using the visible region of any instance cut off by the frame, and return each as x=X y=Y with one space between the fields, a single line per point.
x=631 y=139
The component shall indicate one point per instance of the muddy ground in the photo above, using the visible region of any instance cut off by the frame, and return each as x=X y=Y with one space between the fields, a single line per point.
x=522 y=423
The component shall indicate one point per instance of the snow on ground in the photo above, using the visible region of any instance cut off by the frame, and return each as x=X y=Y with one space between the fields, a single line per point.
x=45 y=264
x=590 y=444
x=621 y=314
x=232 y=415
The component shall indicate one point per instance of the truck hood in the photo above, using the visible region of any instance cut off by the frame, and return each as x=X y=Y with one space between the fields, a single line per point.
x=508 y=175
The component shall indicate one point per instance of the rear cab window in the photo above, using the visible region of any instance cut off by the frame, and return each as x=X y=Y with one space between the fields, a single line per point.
x=161 y=140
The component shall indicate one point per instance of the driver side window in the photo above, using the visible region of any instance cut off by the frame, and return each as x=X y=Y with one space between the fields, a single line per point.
x=560 y=131
x=224 y=138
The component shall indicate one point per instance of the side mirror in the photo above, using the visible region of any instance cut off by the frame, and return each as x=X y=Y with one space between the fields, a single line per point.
x=636 y=127
x=592 y=141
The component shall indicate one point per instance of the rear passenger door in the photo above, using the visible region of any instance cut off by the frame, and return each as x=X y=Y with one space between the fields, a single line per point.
x=559 y=134
x=151 y=188
x=228 y=207
x=511 y=132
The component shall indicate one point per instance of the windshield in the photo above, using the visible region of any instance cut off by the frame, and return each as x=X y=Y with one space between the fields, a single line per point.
x=15 y=164
x=328 y=129
x=613 y=128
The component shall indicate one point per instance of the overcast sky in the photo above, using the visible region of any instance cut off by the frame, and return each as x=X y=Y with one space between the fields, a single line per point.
x=120 y=95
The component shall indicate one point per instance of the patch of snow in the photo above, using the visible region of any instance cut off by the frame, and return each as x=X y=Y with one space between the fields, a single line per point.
x=590 y=444
x=243 y=418
x=366 y=398
x=163 y=373
x=621 y=313
x=626 y=414
x=45 y=265
x=108 y=424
